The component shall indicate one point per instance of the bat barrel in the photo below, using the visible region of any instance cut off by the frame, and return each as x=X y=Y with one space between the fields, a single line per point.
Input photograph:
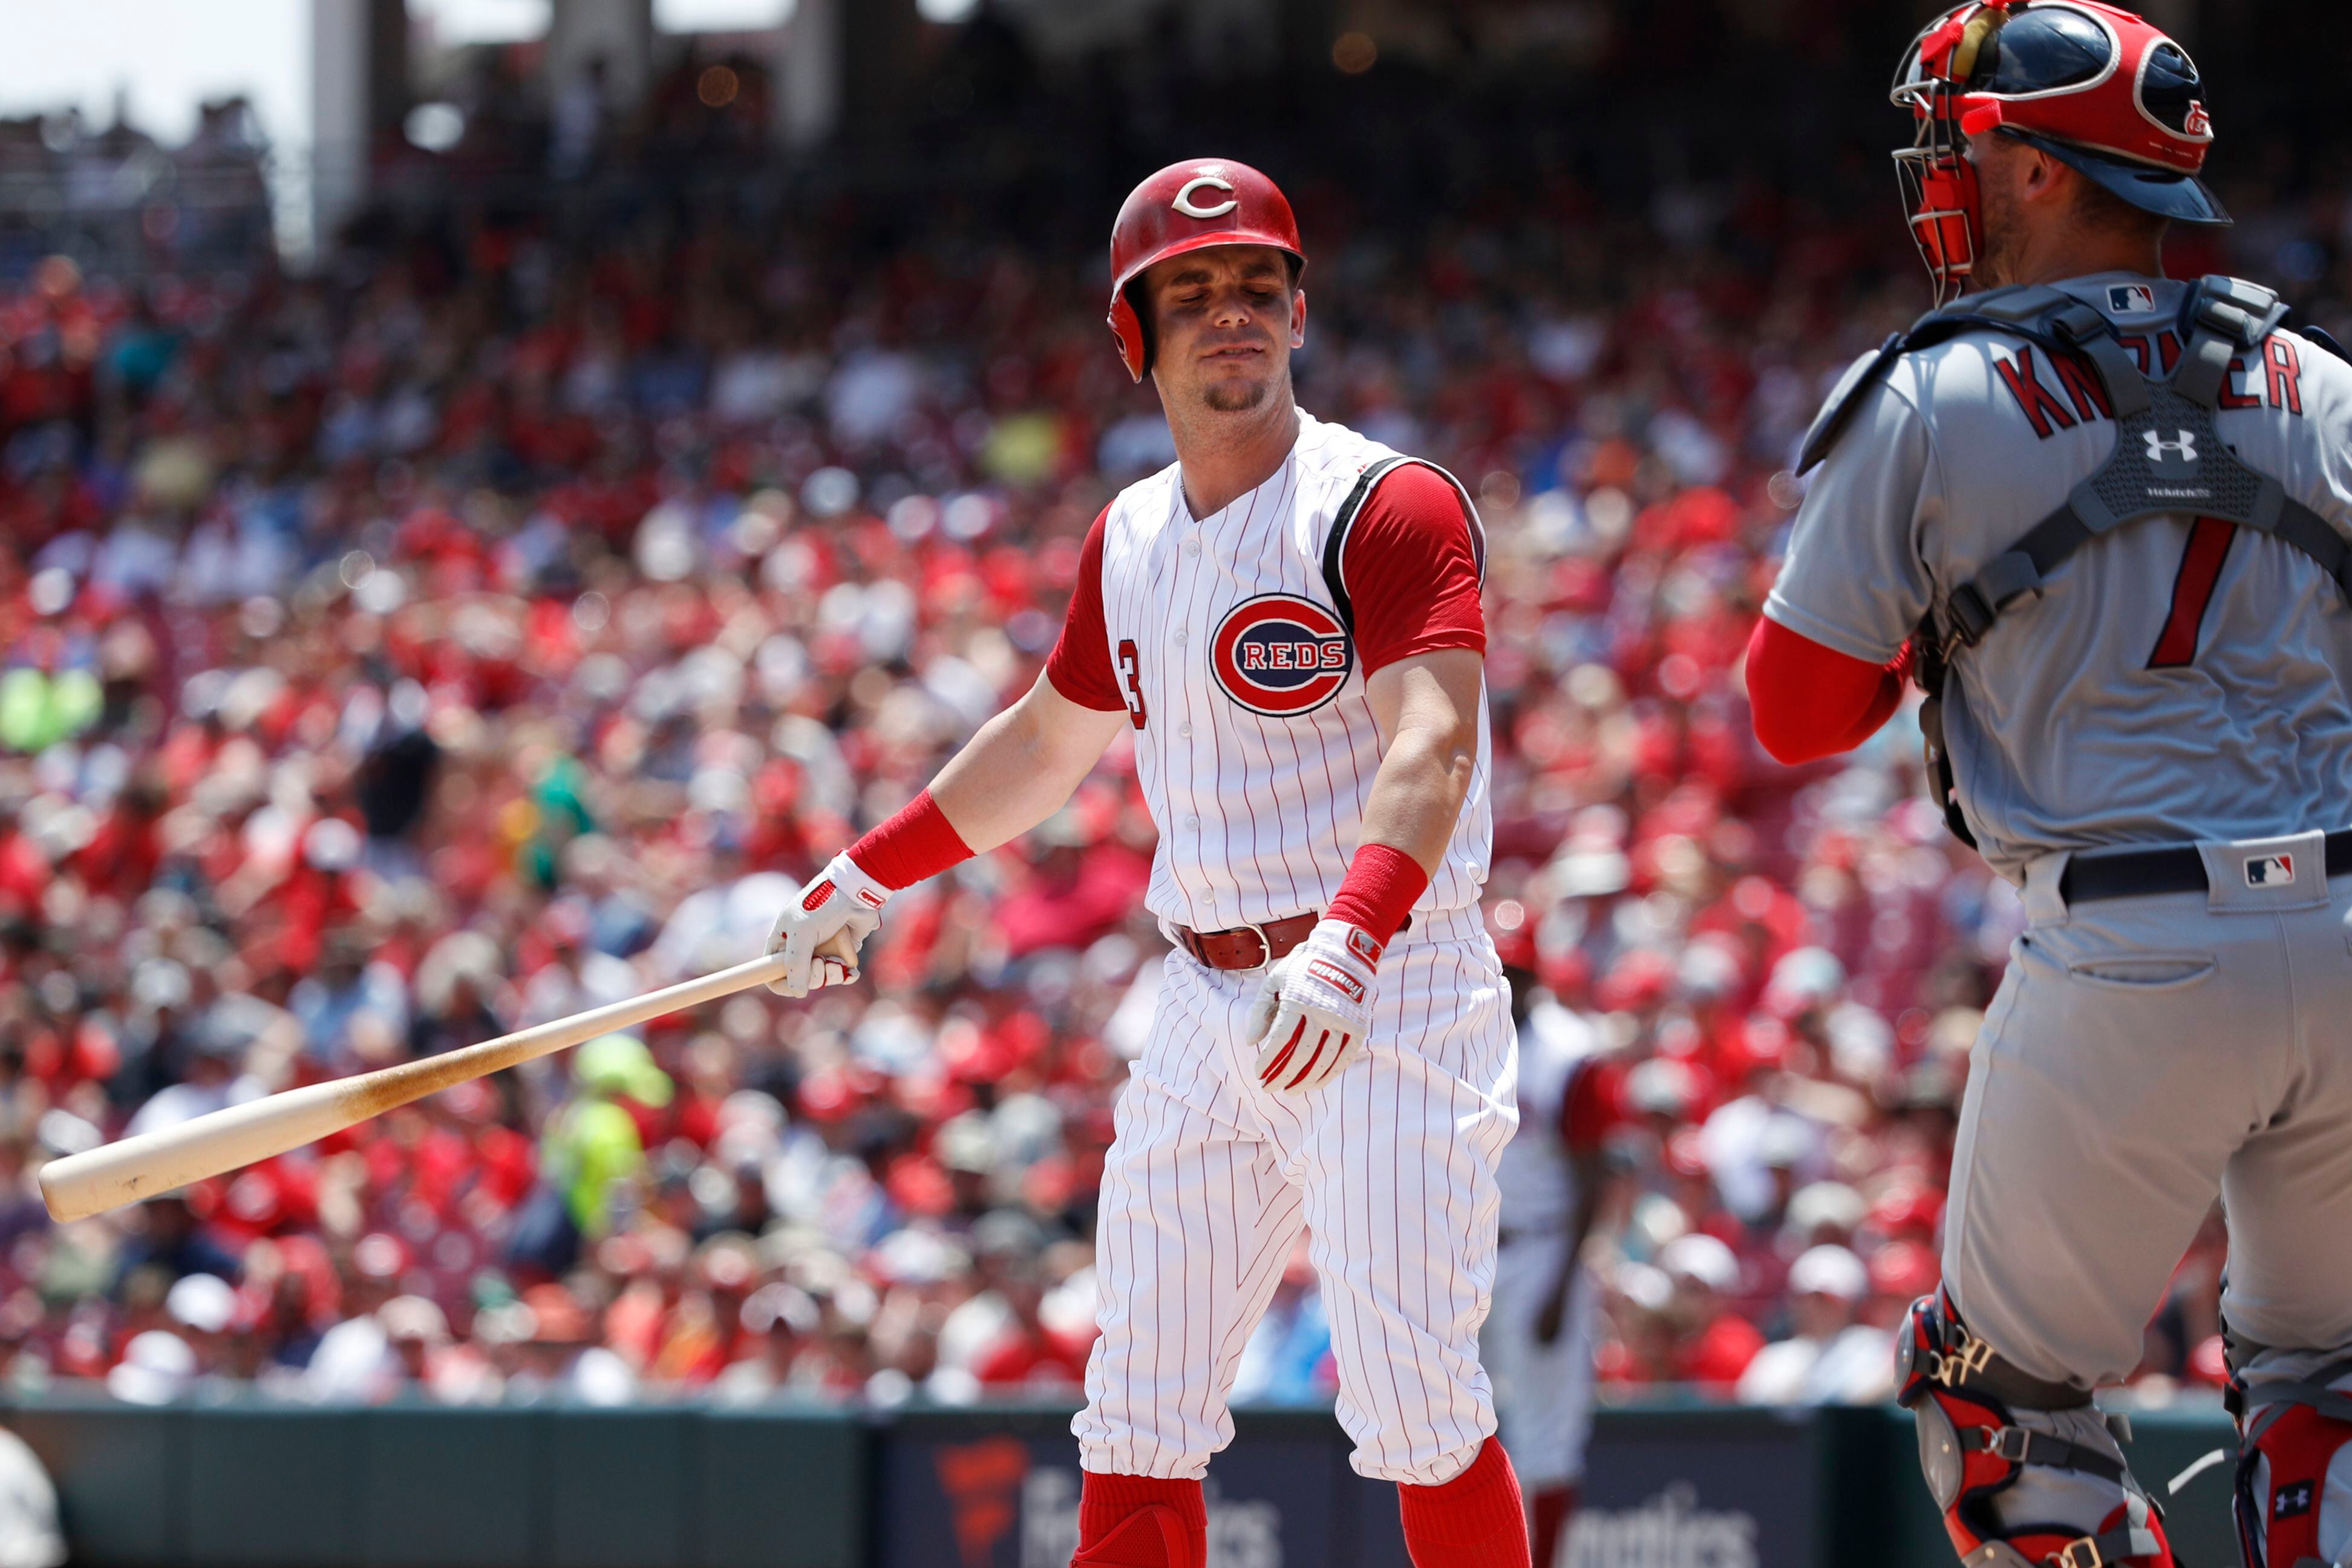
x=98 y=1179
x=79 y=1185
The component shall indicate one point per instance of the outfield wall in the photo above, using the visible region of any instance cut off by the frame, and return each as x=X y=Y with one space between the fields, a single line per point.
x=246 y=1482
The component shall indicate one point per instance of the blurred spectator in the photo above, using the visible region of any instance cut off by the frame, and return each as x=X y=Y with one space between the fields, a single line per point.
x=1829 y=1359
x=779 y=1318
x=1027 y=1356
x=557 y=1356
x=1713 y=1343
x=354 y=1358
x=593 y=1153
x=1288 y=1359
x=157 y=1367
x=169 y=1237
x=203 y=1307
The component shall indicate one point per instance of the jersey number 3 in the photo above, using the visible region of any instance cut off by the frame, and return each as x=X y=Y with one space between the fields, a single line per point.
x=1130 y=670
x=2193 y=590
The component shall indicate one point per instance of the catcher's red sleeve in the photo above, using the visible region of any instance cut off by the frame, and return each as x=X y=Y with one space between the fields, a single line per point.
x=1811 y=701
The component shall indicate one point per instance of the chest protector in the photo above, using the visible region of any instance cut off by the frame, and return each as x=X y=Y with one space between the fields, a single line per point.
x=2168 y=459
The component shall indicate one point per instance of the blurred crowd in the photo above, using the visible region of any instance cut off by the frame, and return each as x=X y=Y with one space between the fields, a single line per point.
x=114 y=192
x=504 y=620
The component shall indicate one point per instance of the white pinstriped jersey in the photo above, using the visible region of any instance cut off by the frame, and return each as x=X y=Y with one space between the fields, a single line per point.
x=1254 y=742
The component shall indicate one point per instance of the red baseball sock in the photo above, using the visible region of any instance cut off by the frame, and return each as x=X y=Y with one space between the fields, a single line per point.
x=1141 y=1522
x=1553 y=1507
x=1474 y=1521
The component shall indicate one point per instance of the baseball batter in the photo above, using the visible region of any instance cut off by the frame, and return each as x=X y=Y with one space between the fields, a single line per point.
x=1287 y=623
x=2101 y=516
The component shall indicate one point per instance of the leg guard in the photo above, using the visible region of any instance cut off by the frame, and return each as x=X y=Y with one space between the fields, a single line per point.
x=1140 y=1521
x=1151 y=1538
x=1984 y=1426
x=1477 y=1519
x=2295 y=1438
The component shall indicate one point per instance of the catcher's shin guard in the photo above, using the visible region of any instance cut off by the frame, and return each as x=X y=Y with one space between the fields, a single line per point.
x=2294 y=1437
x=1966 y=1401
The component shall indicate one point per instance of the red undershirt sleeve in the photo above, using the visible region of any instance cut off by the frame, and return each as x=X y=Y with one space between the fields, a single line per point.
x=1080 y=666
x=1589 y=1111
x=1811 y=701
x=1412 y=563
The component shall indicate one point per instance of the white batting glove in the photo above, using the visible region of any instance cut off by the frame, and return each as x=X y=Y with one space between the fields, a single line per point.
x=1313 y=1007
x=841 y=898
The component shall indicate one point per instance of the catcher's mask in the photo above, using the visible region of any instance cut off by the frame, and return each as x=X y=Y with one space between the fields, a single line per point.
x=2094 y=86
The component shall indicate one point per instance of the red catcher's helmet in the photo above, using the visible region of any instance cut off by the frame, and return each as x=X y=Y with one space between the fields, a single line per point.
x=2095 y=87
x=1187 y=206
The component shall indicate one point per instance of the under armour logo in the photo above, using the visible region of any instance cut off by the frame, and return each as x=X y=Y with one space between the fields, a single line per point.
x=2291 y=1501
x=2184 y=450
x=1185 y=204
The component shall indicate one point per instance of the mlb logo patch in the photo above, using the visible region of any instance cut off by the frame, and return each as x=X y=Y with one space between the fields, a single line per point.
x=2270 y=871
x=2291 y=1501
x=2130 y=298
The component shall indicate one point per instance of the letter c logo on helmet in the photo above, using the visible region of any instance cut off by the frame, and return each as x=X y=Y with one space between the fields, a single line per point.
x=1166 y=216
x=1185 y=204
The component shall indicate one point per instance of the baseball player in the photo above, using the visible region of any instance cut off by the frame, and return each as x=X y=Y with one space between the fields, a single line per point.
x=1538 y=1339
x=1286 y=621
x=2106 y=513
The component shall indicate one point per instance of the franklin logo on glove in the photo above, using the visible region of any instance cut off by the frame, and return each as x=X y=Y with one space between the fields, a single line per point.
x=1313 y=1007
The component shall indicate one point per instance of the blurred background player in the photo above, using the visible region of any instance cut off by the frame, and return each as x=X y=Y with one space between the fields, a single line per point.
x=1538 y=1342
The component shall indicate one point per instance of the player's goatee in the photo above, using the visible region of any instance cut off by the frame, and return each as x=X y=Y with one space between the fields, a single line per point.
x=1235 y=399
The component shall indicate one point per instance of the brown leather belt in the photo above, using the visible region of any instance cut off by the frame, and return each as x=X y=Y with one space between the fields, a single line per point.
x=1247 y=947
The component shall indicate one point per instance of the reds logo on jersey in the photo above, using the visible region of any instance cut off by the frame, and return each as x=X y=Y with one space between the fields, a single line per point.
x=1281 y=655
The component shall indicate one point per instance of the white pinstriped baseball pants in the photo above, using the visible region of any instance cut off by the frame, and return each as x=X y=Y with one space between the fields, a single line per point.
x=1391 y=1168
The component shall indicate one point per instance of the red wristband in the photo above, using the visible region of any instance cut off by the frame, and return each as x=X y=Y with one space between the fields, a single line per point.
x=919 y=842
x=1382 y=883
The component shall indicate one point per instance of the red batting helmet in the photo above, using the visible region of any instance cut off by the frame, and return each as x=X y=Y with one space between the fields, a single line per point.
x=2094 y=86
x=1190 y=205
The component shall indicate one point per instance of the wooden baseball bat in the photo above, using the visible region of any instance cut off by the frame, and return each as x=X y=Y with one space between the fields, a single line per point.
x=97 y=1180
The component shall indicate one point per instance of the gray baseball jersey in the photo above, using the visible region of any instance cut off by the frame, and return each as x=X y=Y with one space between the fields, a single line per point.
x=2178 y=680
